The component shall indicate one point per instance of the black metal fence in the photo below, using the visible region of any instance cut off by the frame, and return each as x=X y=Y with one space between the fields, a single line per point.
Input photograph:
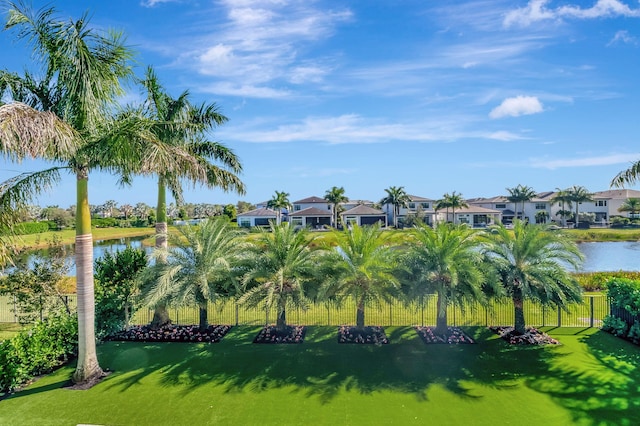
x=421 y=312
x=624 y=315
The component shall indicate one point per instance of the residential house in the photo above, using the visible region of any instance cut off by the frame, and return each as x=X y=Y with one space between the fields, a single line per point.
x=311 y=217
x=475 y=216
x=257 y=217
x=364 y=215
x=418 y=206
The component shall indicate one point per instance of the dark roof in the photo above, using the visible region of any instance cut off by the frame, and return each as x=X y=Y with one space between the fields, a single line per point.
x=416 y=199
x=260 y=213
x=310 y=211
x=362 y=210
x=311 y=200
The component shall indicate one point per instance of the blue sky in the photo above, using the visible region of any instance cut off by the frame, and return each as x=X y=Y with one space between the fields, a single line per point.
x=466 y=96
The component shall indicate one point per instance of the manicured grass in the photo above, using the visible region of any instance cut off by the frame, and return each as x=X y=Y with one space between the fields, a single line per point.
x=592 y=378
x=9 y=329
x=68 y=236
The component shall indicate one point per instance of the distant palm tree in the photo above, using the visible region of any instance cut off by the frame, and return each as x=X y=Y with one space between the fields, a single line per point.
x=629 y=176
x=520 y=194
x=279 y=201
x=445 y=261
x=631 y=205
x=362 y=268
x=531 y=264
x=579 y=194
x=455 y=201
x=542 y=216
x=126 y=210
x=397 y=197
x=335 y=196
x=562 y=198
x=281 y=265
x=197 y=269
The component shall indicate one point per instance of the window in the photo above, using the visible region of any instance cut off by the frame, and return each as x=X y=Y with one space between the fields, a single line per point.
x=412 y=205
x=501 y=206
x=541 y=206
x=245 y=222
x=296 y=207
x=424 y=205
x=296 y=221
x=601 y=203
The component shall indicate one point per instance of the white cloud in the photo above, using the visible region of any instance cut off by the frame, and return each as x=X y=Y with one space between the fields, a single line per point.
x=537 y=10
x=505 y=136
x=606 y=160
x=623 y=37
x=514 y=107
x=152 y=3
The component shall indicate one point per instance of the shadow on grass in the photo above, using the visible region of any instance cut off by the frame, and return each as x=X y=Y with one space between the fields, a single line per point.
x=322 y=368
x=602 y=388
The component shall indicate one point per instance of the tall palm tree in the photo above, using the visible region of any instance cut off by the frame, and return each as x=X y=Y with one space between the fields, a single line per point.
x=520 y=194
x=82 y=71
x=628 y=176
x=579 y=194
x=177 y=122
x=279 y=201
x=631 y=205
x=443 y=203
x=455 y=201
x=335 y=196
x=445 y=260
x=562 y=198
x=197 y=269
x=531 y=264
x=362 y=267
x=397 y=197
x=281 y=266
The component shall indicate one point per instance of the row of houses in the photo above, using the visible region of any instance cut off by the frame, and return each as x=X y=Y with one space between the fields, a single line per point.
x=316 y=212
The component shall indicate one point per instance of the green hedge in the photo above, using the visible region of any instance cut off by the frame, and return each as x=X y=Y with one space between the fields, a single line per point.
x=26 y=228
x=597 y=281
x=624 y=321
x=38 y=350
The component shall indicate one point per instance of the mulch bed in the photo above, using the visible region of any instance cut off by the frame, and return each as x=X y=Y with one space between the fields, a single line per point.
x=372 y=335
x=454 y=336
x=291 y=334
x=172 y=333
x=533 y=336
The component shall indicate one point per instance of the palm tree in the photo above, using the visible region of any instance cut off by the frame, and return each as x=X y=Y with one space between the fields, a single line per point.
x=445 y=260
x=177 y=122
x=279 y=201
x=453 y=200
x=629 y=176
x=443 y=203
x=197 y=269
x=361 y=268
x=520 y=194
x=82 y=74
x=280 y=268
x=335 y=196
x=542 y=216
x=531 y=264
x=579 y=194
x=631 y=205
x=397 y=197
x=562 y=198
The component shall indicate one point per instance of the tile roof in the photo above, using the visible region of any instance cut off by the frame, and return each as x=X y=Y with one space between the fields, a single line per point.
x=264 y=212
x=310 y=200
x=311 y=211
x=362 y=210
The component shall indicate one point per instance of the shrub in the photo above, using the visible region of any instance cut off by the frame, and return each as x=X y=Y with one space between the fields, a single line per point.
x=26 y=228
x=597 y=281
x=634 y=333
x=616 y=326
x=624 y=293
x=47 y=345
x=107 y=222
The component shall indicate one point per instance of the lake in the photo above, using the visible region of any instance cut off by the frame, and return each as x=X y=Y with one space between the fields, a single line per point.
x=599 y=256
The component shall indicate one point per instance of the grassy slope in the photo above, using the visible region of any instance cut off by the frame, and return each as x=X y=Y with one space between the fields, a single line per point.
x=68 y=236
x=591 y=379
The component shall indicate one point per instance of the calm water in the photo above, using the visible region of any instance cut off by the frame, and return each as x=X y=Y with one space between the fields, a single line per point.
x=611 y=256
x=605 y=256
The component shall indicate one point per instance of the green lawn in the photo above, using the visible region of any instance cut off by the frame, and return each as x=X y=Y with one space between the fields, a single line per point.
x=592 y=378
x=9 y=330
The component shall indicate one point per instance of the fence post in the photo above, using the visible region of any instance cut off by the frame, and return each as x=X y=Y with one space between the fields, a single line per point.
x=544 y=314
x=559 y=317
x=486 y=316
x=591 y=319
x=328 y=316
x=237 y=314
x=266 y=313
x=15 y=309
x=390 y=314
x=422 y=310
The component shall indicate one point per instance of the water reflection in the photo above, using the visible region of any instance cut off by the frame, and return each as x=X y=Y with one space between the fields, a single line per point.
x=611 y=256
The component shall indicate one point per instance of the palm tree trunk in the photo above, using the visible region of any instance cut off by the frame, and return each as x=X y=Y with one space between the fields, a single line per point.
x=360 y=314
x=281 y=321
x=518 y=303
x=160 y=312
x=87 y=368
x=441 y=321
x=204 y=322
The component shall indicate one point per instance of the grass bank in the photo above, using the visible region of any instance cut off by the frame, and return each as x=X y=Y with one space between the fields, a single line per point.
x=68 y=236
x=591 y=379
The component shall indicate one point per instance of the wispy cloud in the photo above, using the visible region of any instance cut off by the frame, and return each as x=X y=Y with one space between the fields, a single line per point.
x=152 y=3
x=308 y=172
x=537 y=10
x=514 y=107
x=623 y=36
x=605 y=160
x=260 y=45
